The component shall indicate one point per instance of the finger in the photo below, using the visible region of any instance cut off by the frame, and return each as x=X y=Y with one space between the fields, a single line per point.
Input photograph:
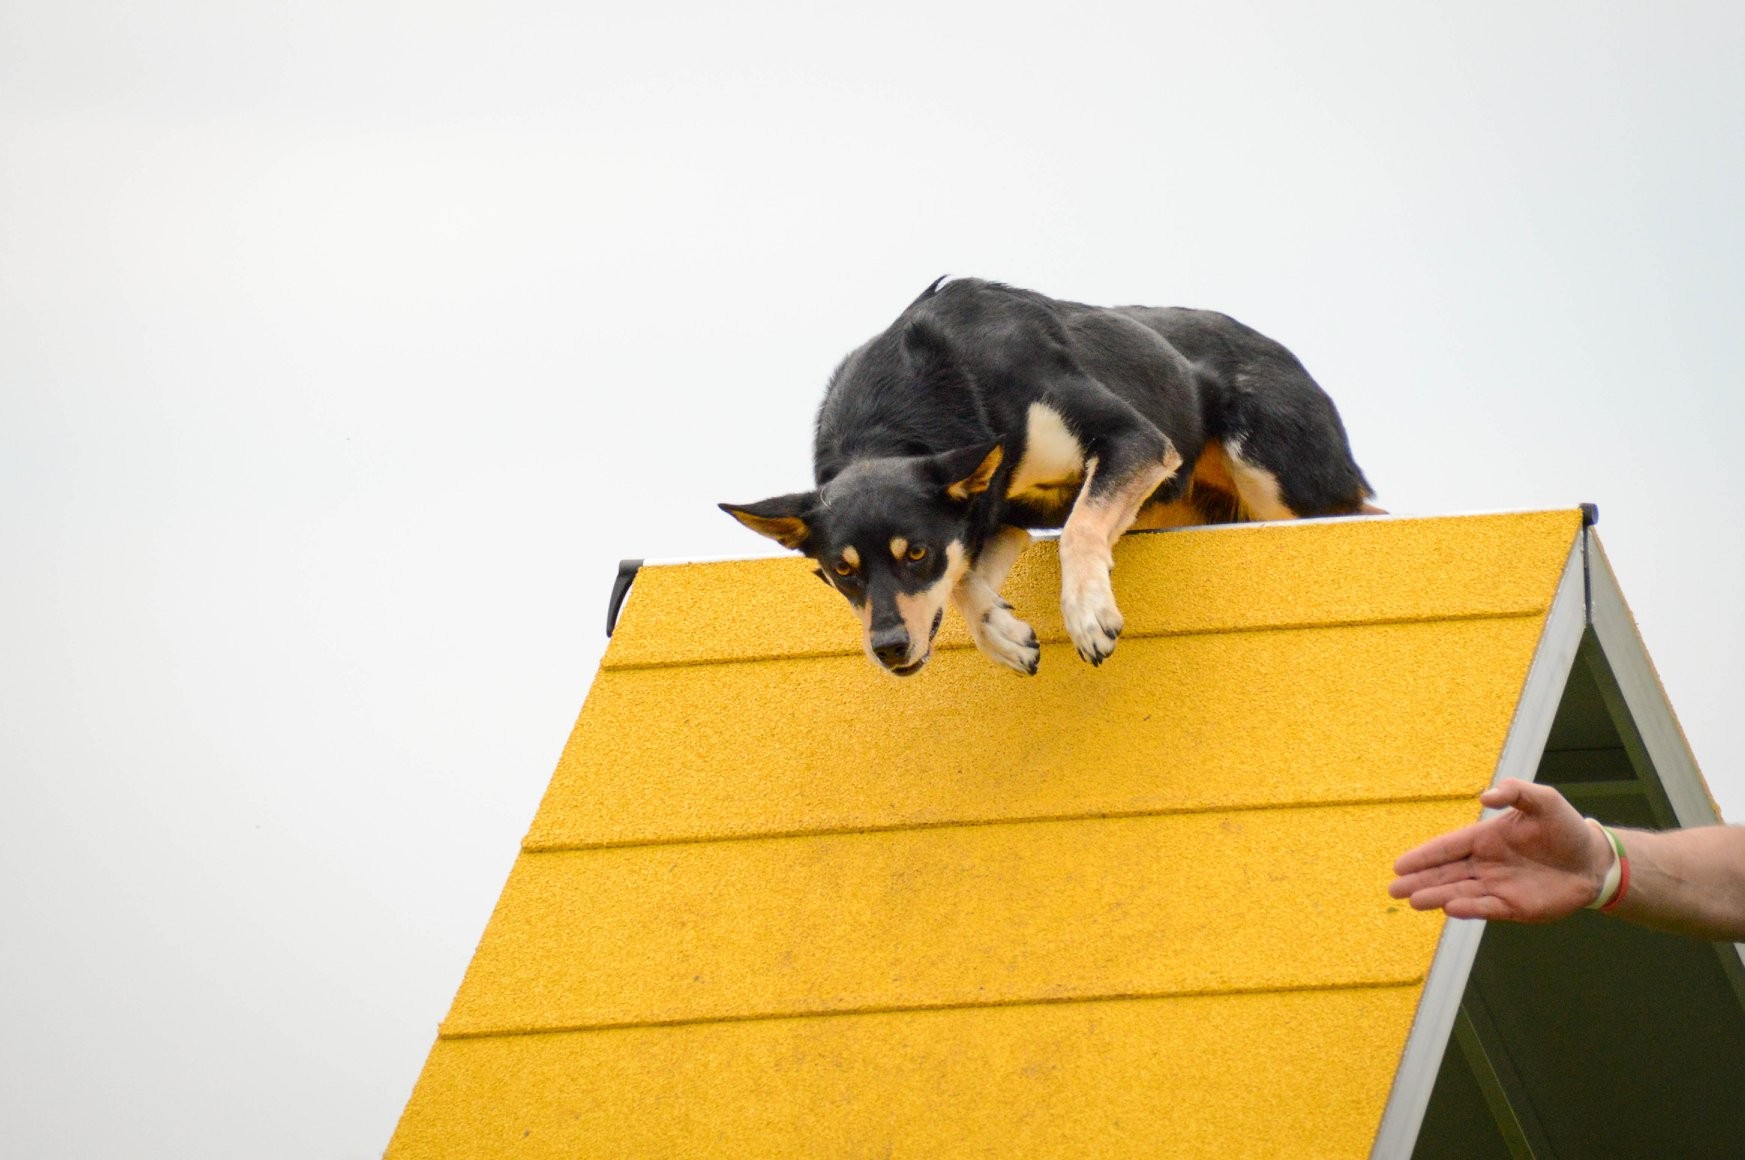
x=1487 y=906
x=1422 y=895
x=1505 y=793
x=1446 y=895
x=1536 y=801
x=1450 y=847
x=1544 y=801
x=1439 y=875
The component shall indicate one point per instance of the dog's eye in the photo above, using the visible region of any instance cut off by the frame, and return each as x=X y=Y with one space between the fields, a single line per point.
x=844 y=568
x=916 y=553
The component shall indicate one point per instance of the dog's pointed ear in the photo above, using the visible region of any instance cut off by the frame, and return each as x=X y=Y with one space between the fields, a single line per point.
x=786 y=519
x=968 y=471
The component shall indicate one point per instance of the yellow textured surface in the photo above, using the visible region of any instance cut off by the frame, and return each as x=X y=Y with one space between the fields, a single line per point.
x=953 y=915
x=1195 y=580
x=776 y=903
x=1299 y=1075
x=1169 y=723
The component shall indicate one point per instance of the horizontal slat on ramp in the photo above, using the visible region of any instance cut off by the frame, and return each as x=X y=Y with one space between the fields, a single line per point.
x=1170 y=723
x=1297 y=1075
x=1220 y=579
x=1173 y=904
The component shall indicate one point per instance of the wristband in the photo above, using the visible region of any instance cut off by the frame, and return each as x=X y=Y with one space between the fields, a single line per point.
x=1617 y=882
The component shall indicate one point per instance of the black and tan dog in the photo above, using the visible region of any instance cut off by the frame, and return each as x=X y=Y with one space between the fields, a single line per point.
x=986 y=410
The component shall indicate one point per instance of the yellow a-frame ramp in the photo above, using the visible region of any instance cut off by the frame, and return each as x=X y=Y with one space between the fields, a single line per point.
x=778 y=904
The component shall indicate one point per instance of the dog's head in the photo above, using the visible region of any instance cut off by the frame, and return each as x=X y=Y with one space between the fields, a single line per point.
x=891 y=536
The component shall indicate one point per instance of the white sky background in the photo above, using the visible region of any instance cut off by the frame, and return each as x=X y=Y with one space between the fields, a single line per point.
x=346 y=347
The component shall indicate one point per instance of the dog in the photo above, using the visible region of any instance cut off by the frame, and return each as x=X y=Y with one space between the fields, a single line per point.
x=985 y=411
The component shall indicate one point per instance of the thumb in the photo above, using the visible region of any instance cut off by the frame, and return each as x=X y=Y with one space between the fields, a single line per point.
x=1511 y=791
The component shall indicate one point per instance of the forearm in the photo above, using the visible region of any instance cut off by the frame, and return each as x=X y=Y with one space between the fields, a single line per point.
x=1688 y=882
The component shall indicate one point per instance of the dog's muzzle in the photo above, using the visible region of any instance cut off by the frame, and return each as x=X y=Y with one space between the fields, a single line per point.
x=891 y=647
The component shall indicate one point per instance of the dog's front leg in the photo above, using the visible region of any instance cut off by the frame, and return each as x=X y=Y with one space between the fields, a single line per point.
x=998 y=633
x=1107 y=505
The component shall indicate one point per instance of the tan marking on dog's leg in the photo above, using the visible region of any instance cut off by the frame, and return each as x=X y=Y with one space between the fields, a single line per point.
x=1210 y=497
x=899 y=546
x=1213 y=489
x=998 y=555
x=1255 y=486
x=999 y=634
x=1177 y=513
x=1370 y=509
x=1087 y=600
x=1212 y=469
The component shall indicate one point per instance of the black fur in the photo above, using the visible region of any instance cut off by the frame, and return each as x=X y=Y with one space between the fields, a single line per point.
x=925 y=403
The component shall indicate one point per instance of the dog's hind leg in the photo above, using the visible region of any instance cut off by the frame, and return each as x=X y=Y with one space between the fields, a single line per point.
x=999 y=634
x=1287 y=450
x=1318 y=488
x=1256 y=486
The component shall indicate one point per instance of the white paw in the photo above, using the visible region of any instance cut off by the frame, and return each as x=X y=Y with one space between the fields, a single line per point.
x=1092 y=620
x=1006 y=639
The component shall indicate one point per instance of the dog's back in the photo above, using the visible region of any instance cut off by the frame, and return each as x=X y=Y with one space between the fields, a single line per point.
x=964 y=362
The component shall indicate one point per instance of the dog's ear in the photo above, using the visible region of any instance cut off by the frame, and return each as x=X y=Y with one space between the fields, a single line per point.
x=967 y=471
x=786 y=519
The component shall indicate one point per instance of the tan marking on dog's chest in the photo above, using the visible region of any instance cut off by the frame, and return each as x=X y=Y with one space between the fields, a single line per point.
x=1054 y=460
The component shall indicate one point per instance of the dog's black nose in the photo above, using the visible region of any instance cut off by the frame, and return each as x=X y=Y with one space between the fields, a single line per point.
x=891 y=646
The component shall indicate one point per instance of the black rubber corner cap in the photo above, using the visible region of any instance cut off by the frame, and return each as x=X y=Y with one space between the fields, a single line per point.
x=627 y=570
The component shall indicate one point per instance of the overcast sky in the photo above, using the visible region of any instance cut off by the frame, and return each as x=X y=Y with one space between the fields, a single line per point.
x=346 y=347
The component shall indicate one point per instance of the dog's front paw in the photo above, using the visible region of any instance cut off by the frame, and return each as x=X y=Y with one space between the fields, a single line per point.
x=1092 y=620
x=1007 y=639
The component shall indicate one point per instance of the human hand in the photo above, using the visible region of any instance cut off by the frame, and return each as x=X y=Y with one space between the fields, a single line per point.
x=1537 y=861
